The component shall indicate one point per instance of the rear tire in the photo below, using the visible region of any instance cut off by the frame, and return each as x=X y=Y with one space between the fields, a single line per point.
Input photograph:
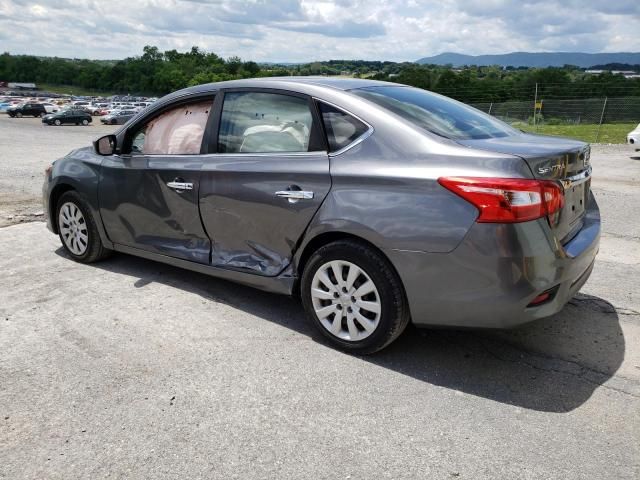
x=85 y=122
x=57 y=122
x=19 y=115
x=77 y=229
x=354 y=297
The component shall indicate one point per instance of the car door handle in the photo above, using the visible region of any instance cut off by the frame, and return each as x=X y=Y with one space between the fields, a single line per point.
x=179 y=185
x=294 y=195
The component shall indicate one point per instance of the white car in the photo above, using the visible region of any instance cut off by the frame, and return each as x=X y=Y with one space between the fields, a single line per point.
x=50 y=107
x=633 y=137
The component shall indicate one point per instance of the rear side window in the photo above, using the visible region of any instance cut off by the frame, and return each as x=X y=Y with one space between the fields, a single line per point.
x=257 y=122
x=341 y=128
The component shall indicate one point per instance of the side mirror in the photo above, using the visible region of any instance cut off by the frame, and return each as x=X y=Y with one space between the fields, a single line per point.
x=105 y=145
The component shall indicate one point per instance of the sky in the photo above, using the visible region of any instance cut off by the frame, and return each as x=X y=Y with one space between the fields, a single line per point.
x=303 y=31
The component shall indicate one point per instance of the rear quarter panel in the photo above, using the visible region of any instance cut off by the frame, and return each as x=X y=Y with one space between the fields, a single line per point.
x=385 y=189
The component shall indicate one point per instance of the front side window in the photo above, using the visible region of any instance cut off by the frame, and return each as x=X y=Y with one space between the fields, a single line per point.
x=341 y=128
x=178 y=131
x=438 y=114
x=256 y=122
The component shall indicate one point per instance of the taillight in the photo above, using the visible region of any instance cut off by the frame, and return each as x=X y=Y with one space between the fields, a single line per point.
x=508 y=200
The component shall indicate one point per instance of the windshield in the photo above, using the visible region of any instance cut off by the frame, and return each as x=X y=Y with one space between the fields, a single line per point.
x=438 y=114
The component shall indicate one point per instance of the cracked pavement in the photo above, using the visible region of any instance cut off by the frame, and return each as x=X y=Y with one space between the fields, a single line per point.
x=133 y=369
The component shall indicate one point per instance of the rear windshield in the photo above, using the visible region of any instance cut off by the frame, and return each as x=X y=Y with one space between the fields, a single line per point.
x=440 y=115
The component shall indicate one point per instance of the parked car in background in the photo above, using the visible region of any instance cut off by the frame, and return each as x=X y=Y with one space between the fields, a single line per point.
x=378 y=203
x=68 y=117
x=4 y=106
x=27 y=110
x=118 y=117
x=93 y=109
x=633 y=137
x=50 y=107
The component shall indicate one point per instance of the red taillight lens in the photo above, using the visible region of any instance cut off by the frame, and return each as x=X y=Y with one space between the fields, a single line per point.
x=507 y=200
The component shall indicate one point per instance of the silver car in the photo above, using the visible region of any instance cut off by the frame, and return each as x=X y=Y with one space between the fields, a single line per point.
x=378 y=204
x=118 y=117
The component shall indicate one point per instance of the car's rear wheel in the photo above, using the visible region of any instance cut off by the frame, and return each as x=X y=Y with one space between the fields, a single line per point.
x=354 y=297
x=77 y=229
x=85 y=122
x=57 y=122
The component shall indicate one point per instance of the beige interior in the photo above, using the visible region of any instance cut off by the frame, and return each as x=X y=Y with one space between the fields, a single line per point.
x=178 y=131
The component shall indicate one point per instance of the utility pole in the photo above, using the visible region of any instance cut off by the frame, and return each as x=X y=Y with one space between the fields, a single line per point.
x=535 y=103
x=604 y=106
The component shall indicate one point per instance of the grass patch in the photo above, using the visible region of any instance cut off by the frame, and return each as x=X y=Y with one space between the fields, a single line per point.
x=71 y=90
x=609 y=133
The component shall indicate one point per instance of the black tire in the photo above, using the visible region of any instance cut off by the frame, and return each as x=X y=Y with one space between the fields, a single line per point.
x=19 y=115
x=85 y=122
x=57 y=122
x=95 y=250
x=394 y=310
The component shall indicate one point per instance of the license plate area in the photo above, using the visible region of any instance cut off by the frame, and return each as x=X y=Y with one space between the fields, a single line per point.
x=575 y=201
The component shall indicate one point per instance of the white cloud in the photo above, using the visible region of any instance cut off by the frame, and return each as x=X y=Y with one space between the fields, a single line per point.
x=305 y=30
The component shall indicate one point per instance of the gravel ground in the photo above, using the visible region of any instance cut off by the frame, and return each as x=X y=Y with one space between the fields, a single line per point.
x=133 y=369
x=27 y=147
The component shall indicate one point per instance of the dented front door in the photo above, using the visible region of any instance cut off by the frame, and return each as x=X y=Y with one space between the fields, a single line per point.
x=255 y=207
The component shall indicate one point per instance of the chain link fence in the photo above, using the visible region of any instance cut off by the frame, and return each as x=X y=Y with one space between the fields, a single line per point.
x=605 y=119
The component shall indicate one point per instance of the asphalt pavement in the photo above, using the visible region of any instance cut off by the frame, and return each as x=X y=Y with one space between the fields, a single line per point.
x=132 y=369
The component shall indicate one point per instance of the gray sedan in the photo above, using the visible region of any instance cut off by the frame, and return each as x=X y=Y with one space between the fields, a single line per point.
x=378 y=204
x=118 y=117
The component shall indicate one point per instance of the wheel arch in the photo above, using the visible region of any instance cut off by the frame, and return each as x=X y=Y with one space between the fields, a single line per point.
x=59 y=190
x=326 y=237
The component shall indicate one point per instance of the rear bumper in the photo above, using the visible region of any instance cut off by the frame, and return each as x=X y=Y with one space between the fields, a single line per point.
x=489 y=280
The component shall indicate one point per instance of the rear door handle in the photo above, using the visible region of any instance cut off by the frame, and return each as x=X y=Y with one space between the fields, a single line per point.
x=179 y=185
x=294 y=195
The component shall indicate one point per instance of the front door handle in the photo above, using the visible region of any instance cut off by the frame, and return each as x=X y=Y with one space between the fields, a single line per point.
x=179 y=185
x=294 y=195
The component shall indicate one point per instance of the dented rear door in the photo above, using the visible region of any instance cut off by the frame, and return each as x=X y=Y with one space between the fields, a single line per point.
x=254 y=225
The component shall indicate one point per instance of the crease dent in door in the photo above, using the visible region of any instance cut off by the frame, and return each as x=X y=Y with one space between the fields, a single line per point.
x=265 y=261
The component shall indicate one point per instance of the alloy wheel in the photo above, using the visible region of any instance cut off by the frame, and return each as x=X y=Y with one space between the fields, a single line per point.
x=73 y=228
x=346 y=300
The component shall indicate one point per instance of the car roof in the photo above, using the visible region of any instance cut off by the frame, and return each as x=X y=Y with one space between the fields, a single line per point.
x=338 y=83
x=311 y=85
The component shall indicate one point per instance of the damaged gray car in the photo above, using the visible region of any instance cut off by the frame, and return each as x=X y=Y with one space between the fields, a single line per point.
x=378 y=204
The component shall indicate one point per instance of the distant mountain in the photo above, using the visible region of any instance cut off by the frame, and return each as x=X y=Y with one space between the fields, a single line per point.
x=534 y=59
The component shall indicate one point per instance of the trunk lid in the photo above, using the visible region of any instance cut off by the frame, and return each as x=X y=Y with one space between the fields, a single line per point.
x=551 y=158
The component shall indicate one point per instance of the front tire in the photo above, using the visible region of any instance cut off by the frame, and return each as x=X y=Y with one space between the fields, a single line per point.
x=354 y=297
x=57 y=122
x=85 y=122
x=19 y=115
x=77 y=229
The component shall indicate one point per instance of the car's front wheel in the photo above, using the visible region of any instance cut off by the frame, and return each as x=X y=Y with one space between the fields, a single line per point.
x=354 y=297
x=57 y=122
x=19 y=115
x=77 y=229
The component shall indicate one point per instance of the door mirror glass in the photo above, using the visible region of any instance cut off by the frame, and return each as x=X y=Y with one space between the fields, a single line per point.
x=105 y=145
